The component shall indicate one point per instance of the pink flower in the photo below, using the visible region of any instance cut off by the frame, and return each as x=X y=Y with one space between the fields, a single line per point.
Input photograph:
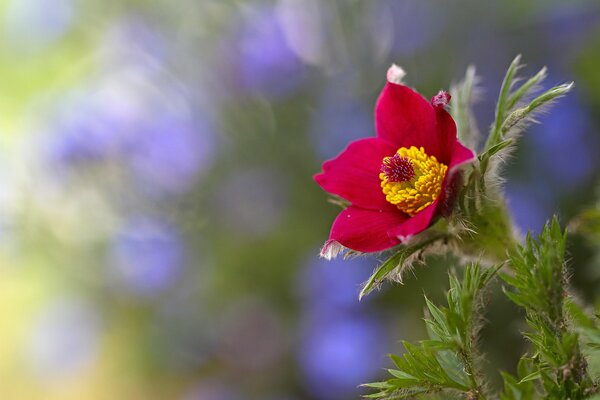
x=397 y=182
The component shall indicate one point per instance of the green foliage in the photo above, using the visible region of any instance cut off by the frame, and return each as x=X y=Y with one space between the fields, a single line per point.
x=401 y=260
x=444 y=362
x=537 y=282
x=587 y=223
x=509 y=119
x=481 y=207
x=521 y=387
x=463 y=96
x=563 y=337
x=561 y=333
x=503 y=102
x=489 y=234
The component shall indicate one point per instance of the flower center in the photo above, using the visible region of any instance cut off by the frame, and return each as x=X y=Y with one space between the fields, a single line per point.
x=411 y=180
x=397 y=168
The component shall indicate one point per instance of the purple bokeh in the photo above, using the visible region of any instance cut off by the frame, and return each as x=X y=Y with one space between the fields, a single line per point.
x=146 y=256
x=333 y=286
x=568 y=24
x=530 y=205
x=171 y=151
x=133 y=115
x=416 y=24
x=85 y=132
x=342 y=341
x=565 y=148
x=165 y=150
x=339 y=120
x=264 y=63
x=337 y=354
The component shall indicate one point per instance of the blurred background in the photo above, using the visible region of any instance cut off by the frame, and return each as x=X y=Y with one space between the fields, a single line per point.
x=159 y=226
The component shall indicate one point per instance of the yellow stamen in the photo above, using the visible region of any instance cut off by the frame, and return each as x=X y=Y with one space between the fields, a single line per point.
x=425 y=186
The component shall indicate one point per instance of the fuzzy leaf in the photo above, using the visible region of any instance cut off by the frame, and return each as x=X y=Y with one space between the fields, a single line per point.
x=525 y=88
x=501 y=106
x=523 y=114
x=398 y=260
x=538 y=284
x=463 y=95
x=531 y=377
x=446 y=361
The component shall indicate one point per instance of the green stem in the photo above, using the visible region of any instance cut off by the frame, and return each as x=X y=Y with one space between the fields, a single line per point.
x=493 y=234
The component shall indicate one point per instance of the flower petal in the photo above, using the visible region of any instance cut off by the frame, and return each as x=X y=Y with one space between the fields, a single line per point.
x=366 y=230
x=404 y=118
x=415 y=224
x=445 y=130
x=460 y=155
x=354 y=174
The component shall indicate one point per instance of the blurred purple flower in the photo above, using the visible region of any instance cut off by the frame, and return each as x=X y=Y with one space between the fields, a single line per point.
x=63 y=339
x=566 y=147
x=567 y=24
x=263 y=61
x=530 y=205
x=329 y=287
x=86 y=132
x=416 y=24
x=339 y=120
x=146 y=256
x=166 y=150
x=338 y=354
x=171 y=151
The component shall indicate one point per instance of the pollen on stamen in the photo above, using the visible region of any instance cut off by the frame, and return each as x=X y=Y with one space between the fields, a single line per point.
x=398 y=168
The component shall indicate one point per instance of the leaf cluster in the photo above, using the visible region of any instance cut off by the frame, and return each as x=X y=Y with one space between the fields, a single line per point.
x=401 y=260
x=562 y=337
x=444 y=362
x=538 y=283
x=511 y=115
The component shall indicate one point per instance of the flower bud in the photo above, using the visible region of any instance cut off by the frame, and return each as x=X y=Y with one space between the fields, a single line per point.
x=395 y=74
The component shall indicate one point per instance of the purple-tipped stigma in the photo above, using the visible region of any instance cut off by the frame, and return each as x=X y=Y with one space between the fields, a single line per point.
x=398 y=168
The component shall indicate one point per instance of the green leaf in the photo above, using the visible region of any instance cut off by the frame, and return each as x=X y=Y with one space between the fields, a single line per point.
x=525 y=88
x=487 y=154
x=446 y=361
x=461 y=110
x=538 y=284
x=397 y=260
x=531 y=377
x=522 y=114
x=501 y=106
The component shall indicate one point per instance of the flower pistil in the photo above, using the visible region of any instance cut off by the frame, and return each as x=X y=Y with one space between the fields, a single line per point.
x=411 y=179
